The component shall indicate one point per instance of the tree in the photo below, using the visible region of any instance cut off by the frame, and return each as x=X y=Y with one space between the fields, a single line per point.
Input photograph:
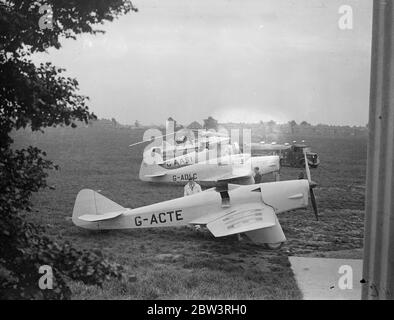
x=270 y=126
x=304 y=123
x=210 y=123
x=292 y=125
x=38 y=97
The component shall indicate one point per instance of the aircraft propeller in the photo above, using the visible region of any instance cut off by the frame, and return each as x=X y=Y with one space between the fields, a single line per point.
x=312 y=185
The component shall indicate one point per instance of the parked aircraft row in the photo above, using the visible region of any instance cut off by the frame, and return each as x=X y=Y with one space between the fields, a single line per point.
x=235 y=205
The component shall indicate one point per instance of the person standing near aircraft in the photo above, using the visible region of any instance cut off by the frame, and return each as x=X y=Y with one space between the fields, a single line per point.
x=257 y=175
x=191 y=188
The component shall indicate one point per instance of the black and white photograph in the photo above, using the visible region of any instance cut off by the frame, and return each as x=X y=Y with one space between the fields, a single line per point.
x=196 y=154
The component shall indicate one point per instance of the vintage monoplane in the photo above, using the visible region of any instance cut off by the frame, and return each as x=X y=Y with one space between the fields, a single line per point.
x=291 y=155
x=191 y=157
x=252 y=210
x=232 y=168
x=183 y=142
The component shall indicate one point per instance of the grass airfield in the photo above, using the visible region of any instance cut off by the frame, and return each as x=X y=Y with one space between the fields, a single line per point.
x=181 y=263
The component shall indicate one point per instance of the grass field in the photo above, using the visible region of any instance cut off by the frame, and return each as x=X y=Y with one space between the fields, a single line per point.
x=175 y=263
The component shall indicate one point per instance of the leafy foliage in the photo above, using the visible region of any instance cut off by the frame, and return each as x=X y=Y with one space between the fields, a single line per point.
x=210 y=123
x=19 y=21
x=37 y=97
x=19 y=264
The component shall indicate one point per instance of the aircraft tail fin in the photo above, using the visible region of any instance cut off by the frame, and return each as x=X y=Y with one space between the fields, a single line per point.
x=90 y=206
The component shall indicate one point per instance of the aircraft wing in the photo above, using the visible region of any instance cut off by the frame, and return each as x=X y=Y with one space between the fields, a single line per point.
x=239 y=218
x=228 y=177
x=235 y=174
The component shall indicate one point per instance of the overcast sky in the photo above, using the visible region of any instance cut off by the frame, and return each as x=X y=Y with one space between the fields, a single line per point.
x=237 y=60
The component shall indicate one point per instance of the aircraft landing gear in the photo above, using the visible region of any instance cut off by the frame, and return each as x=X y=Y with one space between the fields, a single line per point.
x=274 y=246
x=223 y=190
x=225 y=199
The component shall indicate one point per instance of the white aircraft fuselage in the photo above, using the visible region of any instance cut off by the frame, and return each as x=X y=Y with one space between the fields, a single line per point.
x=237 y=168
x=225 y=210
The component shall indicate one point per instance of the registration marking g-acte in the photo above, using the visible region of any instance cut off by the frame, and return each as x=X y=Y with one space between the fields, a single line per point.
x=159 y=218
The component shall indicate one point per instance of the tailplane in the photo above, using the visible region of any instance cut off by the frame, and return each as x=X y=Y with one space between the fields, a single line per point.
x=90 y=206
x=151 y=172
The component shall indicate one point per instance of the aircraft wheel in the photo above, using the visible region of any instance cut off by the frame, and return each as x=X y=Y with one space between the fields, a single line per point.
x=274 y=246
